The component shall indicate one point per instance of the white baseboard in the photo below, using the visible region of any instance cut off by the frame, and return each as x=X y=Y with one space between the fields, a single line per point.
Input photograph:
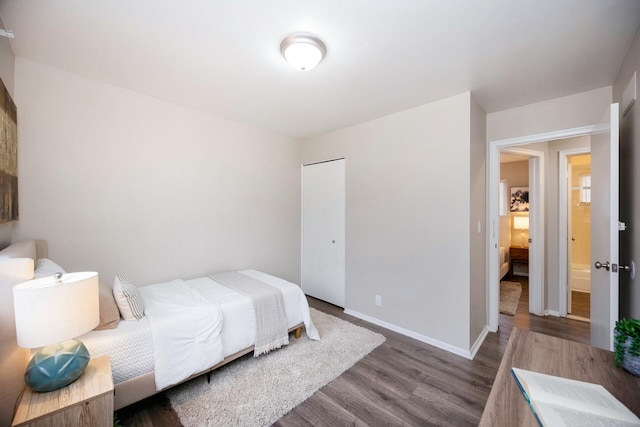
x=423 y=338
x=476 y=346
x=580 y=318
x=552 y=313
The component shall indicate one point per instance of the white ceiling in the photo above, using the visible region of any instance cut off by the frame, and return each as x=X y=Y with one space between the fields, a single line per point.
x=384 y=56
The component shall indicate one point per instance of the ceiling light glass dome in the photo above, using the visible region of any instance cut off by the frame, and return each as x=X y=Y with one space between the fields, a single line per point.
x=303 y=51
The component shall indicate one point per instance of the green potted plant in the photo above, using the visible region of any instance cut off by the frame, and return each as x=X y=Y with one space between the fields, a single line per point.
x=627 y=345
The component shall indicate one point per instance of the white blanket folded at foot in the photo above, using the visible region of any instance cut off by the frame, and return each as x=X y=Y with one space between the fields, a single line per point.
x=268 y=305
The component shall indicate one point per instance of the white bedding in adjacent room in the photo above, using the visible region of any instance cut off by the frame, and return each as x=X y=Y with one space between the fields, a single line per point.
x=504 y=261
x=130 y=345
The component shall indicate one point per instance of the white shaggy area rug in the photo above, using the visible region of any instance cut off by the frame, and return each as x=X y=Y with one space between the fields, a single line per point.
x=258 y=391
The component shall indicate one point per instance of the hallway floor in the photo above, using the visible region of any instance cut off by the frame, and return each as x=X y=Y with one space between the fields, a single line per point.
x=562 y=327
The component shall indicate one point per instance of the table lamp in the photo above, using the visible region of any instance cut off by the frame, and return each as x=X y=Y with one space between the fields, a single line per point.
x=49 y=312
x=521 y=223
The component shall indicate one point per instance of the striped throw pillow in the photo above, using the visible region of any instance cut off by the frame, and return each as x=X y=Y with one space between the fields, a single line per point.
x=128 y=298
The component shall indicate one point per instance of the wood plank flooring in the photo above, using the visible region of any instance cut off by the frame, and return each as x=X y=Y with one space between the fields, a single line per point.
x=402 y=382
x=581 y=304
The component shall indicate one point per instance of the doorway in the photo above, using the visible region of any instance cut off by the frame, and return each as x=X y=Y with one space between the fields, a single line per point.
x=578 y=211
x=521 y=223
x=537 y=218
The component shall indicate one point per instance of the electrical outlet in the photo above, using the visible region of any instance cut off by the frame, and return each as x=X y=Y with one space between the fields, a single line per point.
x=378 y=300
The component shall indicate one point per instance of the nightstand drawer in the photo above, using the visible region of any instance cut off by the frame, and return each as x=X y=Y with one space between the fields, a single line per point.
x=519 y=254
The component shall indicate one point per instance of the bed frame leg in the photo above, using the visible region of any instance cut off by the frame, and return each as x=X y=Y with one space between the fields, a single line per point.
x=209 y=377
x=298 y=332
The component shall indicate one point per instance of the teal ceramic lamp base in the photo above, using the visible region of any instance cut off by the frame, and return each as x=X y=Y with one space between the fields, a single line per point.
x=56 y=366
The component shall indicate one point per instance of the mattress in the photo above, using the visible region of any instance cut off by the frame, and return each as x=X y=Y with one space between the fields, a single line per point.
x=130 y=346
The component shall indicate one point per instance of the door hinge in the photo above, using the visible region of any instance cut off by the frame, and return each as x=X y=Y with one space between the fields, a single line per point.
x=622 y=226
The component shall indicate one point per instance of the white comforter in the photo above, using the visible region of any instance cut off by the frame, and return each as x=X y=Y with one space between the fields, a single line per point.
x=185 y=327
x=180 y=352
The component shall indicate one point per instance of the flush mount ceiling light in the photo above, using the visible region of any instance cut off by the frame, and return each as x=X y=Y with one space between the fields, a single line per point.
x=303 y=51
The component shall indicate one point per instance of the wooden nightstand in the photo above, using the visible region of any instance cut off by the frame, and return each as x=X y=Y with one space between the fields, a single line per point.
x=86 y=402
x=518 y=255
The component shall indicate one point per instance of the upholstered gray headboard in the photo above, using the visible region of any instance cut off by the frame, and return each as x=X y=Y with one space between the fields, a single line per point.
x=16 y=265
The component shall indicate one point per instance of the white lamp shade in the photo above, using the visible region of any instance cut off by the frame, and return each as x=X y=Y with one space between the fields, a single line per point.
x=49 y=311
x=520 y=222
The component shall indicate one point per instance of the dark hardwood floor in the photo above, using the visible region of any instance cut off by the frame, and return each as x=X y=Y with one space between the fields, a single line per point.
x=402 y=382
x=581 y=304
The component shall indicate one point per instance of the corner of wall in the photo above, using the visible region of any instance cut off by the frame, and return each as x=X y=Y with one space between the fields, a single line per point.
x=477 y=218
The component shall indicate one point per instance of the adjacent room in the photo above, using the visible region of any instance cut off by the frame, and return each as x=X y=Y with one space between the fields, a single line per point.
x=314 y=213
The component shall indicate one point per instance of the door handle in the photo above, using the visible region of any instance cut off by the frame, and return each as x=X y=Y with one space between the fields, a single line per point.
x=631 y=269
x=600 y=265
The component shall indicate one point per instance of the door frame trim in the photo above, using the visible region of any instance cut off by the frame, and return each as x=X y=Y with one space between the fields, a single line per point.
x=493 y=178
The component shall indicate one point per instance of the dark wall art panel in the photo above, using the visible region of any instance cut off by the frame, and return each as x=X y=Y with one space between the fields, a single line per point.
x=8 y=157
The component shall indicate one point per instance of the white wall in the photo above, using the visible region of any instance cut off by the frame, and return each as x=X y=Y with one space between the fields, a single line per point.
x=629 y=183
x=407 y=216
x=581 y=109
x=119 y=182
x=478 y=212
x=7 y=61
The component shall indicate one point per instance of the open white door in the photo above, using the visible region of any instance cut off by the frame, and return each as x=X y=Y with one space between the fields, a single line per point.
x=604 y=230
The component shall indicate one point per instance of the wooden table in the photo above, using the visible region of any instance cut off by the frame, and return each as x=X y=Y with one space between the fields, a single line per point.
x=518 y=255
x=87 y=402
x=554 y=356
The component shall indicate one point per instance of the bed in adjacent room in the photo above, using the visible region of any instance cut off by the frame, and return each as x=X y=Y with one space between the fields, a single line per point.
x=504 y=261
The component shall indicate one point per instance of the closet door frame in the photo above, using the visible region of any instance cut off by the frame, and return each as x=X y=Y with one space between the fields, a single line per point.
x=323 y=231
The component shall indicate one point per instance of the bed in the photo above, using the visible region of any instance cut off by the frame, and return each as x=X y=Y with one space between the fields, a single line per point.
x=504 y=261
x=130 y=346
x=143 y=364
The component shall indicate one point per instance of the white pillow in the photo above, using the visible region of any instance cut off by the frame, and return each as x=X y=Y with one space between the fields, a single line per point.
x=45 y=267
x=128 y=298
x=12 y=272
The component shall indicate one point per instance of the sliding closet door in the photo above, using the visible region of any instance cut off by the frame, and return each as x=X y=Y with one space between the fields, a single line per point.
x=323 y=231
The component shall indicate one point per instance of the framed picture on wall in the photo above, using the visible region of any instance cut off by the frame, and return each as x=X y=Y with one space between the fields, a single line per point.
x=8 y=157
x=519 y=199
